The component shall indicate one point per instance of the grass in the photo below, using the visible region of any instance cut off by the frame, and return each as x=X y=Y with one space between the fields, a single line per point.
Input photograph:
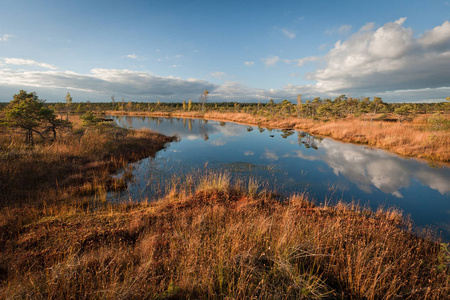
x=208 y=237
x=220 y=239
x=426 y=136
x=79 y=160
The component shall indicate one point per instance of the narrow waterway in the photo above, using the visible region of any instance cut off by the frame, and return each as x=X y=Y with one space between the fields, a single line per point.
x=289 y=161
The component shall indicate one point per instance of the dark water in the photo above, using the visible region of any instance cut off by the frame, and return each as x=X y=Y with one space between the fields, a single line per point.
x=292 y=161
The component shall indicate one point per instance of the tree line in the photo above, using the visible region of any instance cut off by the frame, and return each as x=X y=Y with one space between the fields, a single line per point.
x=35 y=116
x=316 y=108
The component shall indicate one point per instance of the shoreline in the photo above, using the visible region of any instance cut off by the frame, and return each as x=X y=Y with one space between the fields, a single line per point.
x=208 y=237
x=409 y=140
x=78 y=164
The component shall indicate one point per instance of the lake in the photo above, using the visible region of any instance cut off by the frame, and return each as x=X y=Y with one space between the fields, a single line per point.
x=289 y=161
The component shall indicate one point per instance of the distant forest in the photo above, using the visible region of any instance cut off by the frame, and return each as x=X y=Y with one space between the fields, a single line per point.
x=340 y=107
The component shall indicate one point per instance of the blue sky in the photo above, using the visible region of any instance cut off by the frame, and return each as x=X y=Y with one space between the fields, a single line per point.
x=238 y=50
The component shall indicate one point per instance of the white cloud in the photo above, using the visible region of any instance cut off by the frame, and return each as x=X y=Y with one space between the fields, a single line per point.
x=369 y=168
x=218 y=74
x=132 y=56
x=236 y=91
x=388 y=58
x=5 y=37
x=437 y=37
x=389 y=61
x=302 y=61
x=27 y=62
x=271 y=60
x=137 y=85
x=341 y=30
x=344 y=29
x=288 y=33
x=323 y=46
x=109 y=81
x=400 y=21
x=135 y=56
x=219 y=142
x=270 y=155
x=397 y=194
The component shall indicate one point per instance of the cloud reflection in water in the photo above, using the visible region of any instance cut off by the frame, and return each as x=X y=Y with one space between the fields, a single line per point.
x=369 y=168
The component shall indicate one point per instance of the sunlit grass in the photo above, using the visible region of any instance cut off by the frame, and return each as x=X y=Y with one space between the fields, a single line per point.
x=208 y=236
x=219 y=240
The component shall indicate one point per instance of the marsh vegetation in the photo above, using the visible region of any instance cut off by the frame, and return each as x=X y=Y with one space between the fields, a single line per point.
x=211 y=235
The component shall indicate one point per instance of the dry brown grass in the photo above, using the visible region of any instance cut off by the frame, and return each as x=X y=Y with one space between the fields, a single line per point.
x=217 y=241
x=416 y=138
x=208 y=238
x=73 y=160
x=402 y=138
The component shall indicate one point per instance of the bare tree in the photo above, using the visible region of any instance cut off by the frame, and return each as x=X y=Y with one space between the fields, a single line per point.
x=68 y=105
x=299 y=104
x=113 y=99
x=203 y=99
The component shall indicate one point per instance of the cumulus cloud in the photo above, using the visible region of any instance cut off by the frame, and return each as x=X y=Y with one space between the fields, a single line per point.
x=438 y=37
x=288 y=33
x=27 y=62
x=388 y=58
x=249 y=63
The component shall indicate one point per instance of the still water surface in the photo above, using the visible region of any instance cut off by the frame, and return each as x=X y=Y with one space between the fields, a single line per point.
x=293 y=161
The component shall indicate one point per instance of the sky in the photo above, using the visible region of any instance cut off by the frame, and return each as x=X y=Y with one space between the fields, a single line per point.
x=240 y=51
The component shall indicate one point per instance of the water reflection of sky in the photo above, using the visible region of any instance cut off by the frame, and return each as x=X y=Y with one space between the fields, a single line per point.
x=292 y=161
